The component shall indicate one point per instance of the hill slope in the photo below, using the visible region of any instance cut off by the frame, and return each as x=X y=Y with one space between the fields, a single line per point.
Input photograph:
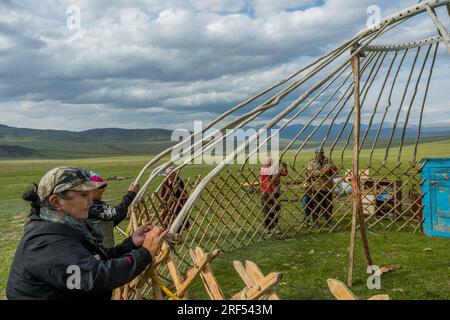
x=97 y=135
x=62 y=144
x=15 y=151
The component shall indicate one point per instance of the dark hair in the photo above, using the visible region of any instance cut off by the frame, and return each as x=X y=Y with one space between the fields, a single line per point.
x=36 y=204
x=32 y=196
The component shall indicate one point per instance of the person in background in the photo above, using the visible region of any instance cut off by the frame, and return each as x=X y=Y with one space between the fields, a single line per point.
x=58 y=257
x=320 y=173
x=270 y=192
x=306 y=200
x=341 y=188
x=104 y=217
x=174 y=195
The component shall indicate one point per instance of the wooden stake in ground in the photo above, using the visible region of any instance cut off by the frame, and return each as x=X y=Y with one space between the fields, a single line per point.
x=209 y=280
x=341 y=292
x=257 y=285
x=253 y=277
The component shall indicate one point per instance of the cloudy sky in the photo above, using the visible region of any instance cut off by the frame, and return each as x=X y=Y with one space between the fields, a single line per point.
x=148 y=63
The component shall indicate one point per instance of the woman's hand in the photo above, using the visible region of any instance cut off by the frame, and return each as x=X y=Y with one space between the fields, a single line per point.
x=138 y=236
x=154 y=239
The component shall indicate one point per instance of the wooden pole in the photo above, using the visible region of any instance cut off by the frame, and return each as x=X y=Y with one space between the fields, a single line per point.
x=357 y=192
x=355 y=165
x=357 y=213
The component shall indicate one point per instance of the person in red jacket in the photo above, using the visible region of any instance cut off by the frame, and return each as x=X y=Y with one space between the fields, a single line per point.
x=270 y=192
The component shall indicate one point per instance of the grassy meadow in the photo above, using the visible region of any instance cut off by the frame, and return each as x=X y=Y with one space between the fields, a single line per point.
x=306 y=261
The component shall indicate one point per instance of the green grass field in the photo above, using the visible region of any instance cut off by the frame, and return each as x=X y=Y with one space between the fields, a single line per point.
x=424 y=273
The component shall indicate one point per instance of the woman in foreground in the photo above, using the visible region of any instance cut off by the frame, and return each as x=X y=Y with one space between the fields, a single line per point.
x=59 y=256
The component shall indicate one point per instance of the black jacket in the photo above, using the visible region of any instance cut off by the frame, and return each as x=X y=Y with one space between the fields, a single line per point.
x=103 y=218
x=100 y=210
x=50 y=254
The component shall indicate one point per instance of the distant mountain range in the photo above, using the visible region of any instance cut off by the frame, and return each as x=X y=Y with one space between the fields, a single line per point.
x=385 y=133
x=97 y=135
x=25 y=143
x=63 y=144
x=139 y=135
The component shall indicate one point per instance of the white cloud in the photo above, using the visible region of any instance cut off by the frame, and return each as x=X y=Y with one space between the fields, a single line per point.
x=269 y=8
x=140 y=57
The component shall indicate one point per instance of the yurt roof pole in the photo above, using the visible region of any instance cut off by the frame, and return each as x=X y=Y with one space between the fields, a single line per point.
x=409 y=12
x=298 y=113
x=388 y=106
x=424 y=101
x=398 y=18
x=248 y=117
x=411 y=103
x=407 y=45
x=241 y=105
x=394 y=127
x=375 y=109
x=364 y=93
x=393 y=19
x=230 y=158
x=439 y=25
